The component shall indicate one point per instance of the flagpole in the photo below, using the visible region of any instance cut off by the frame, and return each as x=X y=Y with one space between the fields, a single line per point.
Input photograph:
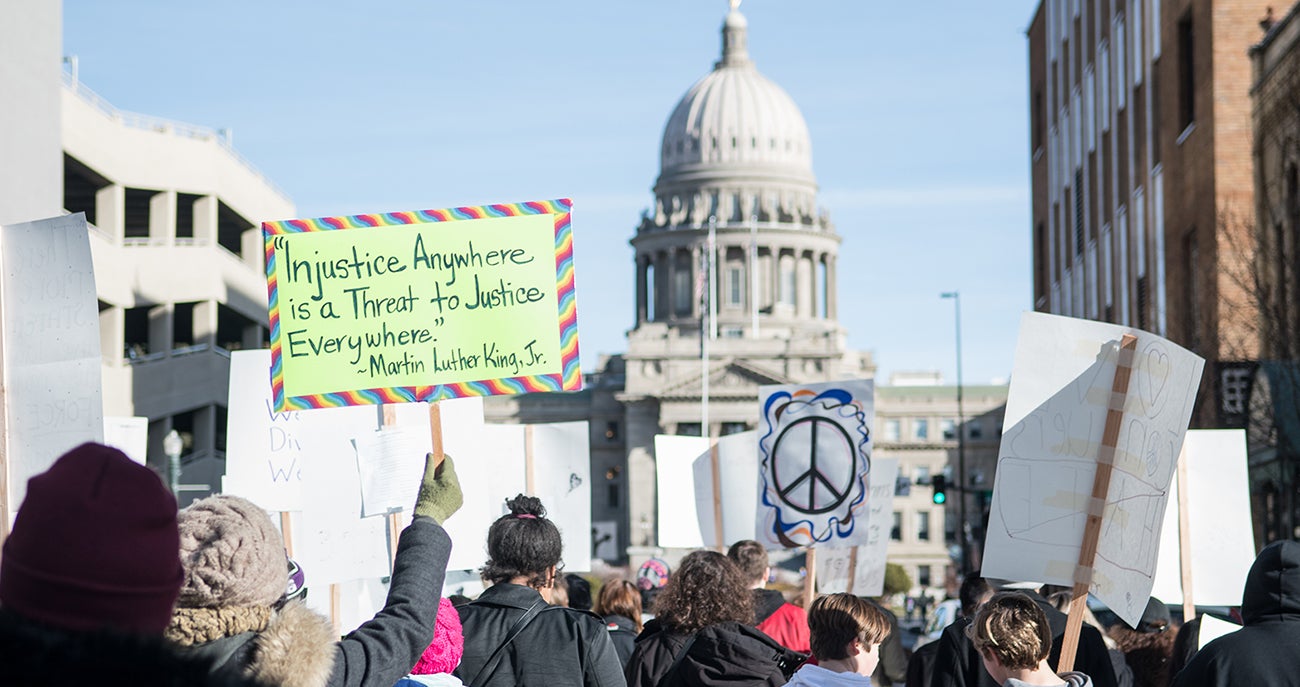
x=706 y=328
x=753 y=276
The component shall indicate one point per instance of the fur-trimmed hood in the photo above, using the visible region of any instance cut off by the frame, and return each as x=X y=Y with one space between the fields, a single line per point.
x=291 y=647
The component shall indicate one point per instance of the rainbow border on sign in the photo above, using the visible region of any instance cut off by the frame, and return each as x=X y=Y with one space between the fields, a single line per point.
x=570 y=377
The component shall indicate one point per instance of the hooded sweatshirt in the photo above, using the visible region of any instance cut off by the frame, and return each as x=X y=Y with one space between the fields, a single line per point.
x=1266 y=650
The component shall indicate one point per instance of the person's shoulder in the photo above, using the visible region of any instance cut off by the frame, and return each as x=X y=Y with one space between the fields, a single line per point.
x=791 y=610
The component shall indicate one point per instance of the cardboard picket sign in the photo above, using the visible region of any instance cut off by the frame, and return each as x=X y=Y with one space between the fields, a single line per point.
x=861 y=570
x=678 y=521
x=50 y=351
x=422 y=306
x=1218 y=510
x=814 y=450
x=1083 y=404
x=688 y=465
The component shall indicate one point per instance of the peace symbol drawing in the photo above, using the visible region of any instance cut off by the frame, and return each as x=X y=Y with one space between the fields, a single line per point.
x=815 y=458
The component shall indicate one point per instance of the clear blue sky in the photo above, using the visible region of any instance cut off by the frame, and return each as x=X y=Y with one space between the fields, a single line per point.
x=918 y=118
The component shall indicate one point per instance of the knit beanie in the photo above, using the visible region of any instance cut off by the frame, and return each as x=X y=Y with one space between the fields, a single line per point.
x=94 y=546
x=443 y=655
x=232 y=553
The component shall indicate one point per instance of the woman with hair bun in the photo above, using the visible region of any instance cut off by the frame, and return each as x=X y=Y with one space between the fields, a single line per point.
x=703 y=629
x=512 y=635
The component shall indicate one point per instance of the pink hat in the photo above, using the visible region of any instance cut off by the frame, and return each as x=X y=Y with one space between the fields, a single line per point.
x=443 y=654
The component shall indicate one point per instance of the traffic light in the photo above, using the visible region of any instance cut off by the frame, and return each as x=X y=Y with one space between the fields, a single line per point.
x=940 y=484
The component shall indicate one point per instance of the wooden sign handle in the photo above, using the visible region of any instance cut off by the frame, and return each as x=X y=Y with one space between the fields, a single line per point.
x=810 y=579
x=435 y=431
x=853 y=569
x=1097 y=504
x=1184 y=537
x=286 y=532
x=530 y=465
x=715 y=463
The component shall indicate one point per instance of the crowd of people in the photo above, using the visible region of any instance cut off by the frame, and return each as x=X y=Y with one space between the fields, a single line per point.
x=103 y=580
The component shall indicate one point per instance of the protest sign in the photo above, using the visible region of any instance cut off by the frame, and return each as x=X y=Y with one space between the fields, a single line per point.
x=561 y=466
x=731 y=499
x=421 y=306
x=264 y=453
x=130 y=435
x=1079 y=407
x=51 y=364
x=1217 y=507
x=333 y=543
x=675 y=456
x=497 y=476
x=815 y=452
x=861 y=570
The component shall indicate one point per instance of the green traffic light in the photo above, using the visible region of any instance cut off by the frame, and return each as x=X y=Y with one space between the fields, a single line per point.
x=940 y=498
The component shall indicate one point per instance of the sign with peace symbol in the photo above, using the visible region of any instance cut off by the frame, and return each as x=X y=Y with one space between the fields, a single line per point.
x=814 y=448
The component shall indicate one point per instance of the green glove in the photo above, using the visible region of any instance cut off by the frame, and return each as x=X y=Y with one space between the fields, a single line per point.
x=440 y=494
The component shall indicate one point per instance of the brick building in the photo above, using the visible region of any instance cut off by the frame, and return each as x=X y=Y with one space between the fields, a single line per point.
x=1141 y=168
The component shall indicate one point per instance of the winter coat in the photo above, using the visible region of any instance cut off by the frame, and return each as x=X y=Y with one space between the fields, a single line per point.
x=1146 y=655
x=296 y=647
x=958 y=664
x=1266 y=650
x=1072 y=679
x=560 y=647
x=36 y=655
x=892 y=668
x=622 y=631
x=782 y=621
x=731 y=654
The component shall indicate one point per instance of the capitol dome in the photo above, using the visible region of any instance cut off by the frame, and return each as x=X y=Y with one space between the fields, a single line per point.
x=736 y=146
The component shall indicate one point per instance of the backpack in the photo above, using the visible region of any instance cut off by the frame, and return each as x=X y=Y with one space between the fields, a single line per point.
x=731 y=654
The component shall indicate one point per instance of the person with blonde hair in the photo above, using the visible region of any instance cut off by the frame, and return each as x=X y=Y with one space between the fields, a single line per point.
x=1013 y=637
x=619 y=604
x=845 y=633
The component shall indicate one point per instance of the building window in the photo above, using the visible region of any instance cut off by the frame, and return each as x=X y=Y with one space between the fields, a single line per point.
x=682 y=289
x=949 y=428
x=688 y=429
x=921 y=429
x=787 y=281
x=923 y=526
x=921 y=474
x=1037 y=133
x=733 y=333
x=923 y=575
x=735 y=283
x=1186 y=72
x=891 y=430
x=733 y=428
x=612 y=494
x=896 y=530
x=975 y=429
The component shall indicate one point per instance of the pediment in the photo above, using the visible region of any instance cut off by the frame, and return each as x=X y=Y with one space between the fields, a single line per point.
x=728 y=378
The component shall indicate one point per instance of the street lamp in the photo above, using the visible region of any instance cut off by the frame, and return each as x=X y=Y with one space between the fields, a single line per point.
x=172 y=446
x=961 y=441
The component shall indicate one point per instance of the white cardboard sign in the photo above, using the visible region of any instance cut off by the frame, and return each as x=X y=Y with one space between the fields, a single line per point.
x=679 y=521
x=51 y=362
x=130 y=435
x=1218 y=507
x=1056 y=413
x=264 y=448
x=814 y=449
x=738 y=475
x=833 y=563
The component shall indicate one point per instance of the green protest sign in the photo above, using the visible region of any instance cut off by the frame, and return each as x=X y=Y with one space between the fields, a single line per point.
x=418 y=306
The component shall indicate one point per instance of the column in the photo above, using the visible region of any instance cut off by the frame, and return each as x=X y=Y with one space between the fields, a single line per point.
x=162 y=218
x=205 y=323
x=110 y=211
x=661 y=285
x=670 y=285
x=205 y=220
x=832 y=299
x=160 y=329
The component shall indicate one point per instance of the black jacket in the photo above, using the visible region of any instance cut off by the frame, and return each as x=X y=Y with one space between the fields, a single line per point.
x=892 y=668
x=622 y=632
x=560 y=647
x=958 y=664
x=731 y=654
x=35 y=655
x=1266 y=650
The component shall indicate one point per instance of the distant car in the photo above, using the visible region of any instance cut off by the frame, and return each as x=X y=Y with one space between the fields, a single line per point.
x=942 y=616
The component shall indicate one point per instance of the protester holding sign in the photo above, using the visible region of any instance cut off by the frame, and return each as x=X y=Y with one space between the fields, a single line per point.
x=89 y=576
x=703 y=626
x=779 y=619
x=1013 y=637
x=512 y=636
x=236 y=573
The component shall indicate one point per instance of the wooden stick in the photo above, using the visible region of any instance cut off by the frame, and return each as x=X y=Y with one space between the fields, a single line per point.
x=389 y=415
x=4 y=490
x=530 y=467
x=853 y=569
x=435 y=430
x=1100 y=488
x=810 y=579
x=1185 y=537
x=286 y=531
x=716 y=465
x=336 y=609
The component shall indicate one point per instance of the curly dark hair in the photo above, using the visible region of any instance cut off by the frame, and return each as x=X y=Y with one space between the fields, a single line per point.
x=523 y=543
x=706 y=589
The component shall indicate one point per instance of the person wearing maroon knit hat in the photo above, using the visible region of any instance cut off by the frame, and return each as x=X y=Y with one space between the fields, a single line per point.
x=89 y=576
